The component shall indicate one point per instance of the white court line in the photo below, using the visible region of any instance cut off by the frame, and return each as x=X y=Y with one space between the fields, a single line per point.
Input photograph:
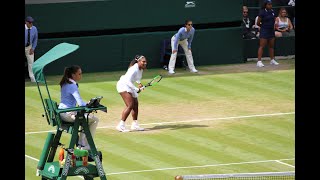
x=286 y=164
x=195 y=120
x=31 y=157
x=189 y=167
x=211 y=119
x=187 y=121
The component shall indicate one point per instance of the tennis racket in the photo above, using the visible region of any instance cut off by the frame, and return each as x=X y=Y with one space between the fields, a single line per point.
x=154 y=81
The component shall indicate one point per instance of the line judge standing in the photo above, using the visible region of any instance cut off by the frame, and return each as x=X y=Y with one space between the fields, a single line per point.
x=31 y=40
x=183 y=37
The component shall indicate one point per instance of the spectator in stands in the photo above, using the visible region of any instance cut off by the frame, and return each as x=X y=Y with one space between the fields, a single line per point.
x=248 y=30
x=266 y=20
x=283 y=24
x=70 y=97
x=290 y=10
x=129 y=92
x=183 y=37
x=30 y=43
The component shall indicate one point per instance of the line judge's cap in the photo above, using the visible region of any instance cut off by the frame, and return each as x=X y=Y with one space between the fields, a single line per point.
x=267 y=1
x=29 y=19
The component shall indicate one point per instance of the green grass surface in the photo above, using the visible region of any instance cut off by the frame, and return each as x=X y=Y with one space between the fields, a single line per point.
x=225 y=119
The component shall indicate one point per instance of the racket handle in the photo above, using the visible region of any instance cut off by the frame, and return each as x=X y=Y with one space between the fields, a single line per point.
x=141 y=89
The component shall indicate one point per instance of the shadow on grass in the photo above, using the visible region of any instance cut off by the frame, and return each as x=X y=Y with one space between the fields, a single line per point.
x=174 y=127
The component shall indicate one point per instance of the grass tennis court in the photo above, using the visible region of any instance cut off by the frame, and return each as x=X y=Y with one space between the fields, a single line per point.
x=225 y=119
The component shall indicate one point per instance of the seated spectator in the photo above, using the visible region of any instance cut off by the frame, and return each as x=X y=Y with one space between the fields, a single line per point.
x=283 y=25
x=248 y=30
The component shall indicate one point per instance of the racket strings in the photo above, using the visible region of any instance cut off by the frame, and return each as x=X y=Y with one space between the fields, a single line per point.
x=154 y=80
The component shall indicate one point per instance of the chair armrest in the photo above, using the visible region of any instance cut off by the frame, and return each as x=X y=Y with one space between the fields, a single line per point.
x=70 y=109
x=86 y=109
x=100 y=107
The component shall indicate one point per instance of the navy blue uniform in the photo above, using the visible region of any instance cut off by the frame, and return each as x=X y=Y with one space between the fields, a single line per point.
x=267 y=23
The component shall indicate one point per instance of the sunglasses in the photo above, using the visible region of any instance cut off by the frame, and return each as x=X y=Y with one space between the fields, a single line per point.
x=189 y=24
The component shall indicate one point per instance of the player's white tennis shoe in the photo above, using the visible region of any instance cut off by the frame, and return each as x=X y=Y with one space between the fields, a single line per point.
x=136 y=127
x=122 y=128
x=259 y=64
x=274 y=62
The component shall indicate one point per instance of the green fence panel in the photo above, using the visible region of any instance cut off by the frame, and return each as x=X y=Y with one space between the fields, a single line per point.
x=123 y=14
x=95 y=53
x=114 y=52
x=284 y=46
x=218 y=46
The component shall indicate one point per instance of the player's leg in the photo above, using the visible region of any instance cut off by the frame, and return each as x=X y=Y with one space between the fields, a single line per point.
x=262 y=44
x=134 y=112
x=271 y=51
x=128 y=100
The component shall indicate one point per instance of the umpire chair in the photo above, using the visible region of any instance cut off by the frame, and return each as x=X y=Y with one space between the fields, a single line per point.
x=47 y=168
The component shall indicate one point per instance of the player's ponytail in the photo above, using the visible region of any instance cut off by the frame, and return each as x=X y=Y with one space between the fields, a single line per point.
x=135 y=60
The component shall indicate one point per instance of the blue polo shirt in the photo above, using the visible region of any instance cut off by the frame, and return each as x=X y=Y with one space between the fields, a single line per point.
x=267 y=18
x=183 y=34
x=33 y=36
x=70 y=96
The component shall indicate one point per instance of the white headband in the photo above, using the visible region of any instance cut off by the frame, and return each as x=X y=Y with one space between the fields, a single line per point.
x=139 y=58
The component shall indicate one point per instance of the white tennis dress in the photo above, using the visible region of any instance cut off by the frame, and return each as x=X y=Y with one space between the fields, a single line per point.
x=126 y=82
